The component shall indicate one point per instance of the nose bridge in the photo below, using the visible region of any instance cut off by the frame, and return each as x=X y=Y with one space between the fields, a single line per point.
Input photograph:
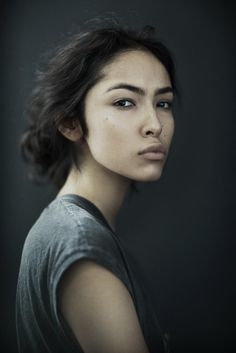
x=152 y=121
x=152 y=113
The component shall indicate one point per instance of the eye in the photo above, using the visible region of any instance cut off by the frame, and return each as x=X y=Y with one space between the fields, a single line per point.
x=167 y=105
x=123 y=103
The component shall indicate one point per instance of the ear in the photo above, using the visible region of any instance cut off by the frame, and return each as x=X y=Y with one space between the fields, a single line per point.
x=72 y=132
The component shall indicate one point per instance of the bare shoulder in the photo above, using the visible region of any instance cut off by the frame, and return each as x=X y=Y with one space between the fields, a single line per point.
x=100 y=311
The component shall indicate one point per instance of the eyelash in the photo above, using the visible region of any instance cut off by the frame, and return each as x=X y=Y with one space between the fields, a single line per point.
x=169 y=105
x=119 y=105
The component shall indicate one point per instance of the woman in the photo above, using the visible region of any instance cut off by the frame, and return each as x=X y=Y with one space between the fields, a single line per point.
x=100 y=119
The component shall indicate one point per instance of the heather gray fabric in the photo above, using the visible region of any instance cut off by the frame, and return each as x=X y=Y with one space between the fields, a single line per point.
x=69 y=229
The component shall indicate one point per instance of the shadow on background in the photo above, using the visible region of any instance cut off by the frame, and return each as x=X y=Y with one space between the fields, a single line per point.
x=180 y=231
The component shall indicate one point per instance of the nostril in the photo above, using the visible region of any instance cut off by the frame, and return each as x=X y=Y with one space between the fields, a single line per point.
x=149 y=132
x=154 y=131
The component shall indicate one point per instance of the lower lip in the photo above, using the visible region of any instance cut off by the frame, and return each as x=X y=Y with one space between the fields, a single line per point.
x=154 y=156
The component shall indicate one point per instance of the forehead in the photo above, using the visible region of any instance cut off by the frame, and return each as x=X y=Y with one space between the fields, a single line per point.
x=138 y=67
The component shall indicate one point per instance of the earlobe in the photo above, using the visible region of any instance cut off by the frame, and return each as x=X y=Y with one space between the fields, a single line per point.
x=73 y=133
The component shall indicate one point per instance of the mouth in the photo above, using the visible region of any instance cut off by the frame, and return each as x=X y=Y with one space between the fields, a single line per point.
x=154 y=153
x=154 y=156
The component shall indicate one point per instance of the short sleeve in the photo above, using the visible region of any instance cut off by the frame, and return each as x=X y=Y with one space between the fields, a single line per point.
x=82 y=237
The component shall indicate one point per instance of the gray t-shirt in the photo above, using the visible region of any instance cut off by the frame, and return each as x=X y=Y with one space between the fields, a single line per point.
x=70 y=228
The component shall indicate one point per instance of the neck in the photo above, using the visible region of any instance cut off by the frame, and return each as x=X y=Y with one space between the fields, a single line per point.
x=105 y=190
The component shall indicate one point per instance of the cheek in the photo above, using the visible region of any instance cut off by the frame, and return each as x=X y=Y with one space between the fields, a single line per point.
x=168 y=130
x=108 y=138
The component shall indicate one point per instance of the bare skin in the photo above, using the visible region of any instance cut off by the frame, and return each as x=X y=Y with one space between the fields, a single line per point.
x=100 y=311
x=121 y=121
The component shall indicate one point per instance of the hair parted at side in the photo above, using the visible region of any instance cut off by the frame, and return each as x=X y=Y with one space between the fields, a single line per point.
x=59 y=94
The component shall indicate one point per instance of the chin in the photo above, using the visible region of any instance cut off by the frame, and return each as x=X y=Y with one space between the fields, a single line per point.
x=146 y=180
x=149 y=177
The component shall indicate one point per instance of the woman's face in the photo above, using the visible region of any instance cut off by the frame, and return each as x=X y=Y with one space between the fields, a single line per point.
x=127 y=111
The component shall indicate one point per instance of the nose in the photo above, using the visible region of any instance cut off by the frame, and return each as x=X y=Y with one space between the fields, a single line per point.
x=152 y=125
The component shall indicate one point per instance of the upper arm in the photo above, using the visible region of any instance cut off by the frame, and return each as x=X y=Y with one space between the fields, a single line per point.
x=100 y=311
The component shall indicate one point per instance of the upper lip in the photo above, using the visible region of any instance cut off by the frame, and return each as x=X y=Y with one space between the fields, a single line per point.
x=153 y=148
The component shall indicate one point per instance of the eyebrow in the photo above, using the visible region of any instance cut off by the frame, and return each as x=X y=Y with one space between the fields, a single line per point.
x=140 y=91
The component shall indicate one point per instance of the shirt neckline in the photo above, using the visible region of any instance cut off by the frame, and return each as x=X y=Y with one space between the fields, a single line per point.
x=88 y=206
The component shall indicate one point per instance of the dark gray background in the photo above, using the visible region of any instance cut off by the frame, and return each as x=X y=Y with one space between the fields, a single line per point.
x=181 y=230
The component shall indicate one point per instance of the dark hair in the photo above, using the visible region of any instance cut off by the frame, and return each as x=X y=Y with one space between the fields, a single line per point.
x=58 y=97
